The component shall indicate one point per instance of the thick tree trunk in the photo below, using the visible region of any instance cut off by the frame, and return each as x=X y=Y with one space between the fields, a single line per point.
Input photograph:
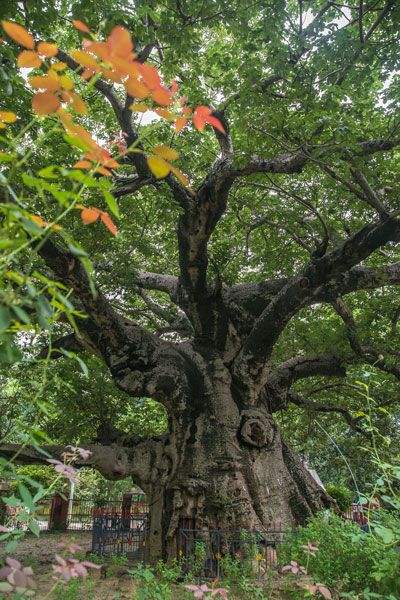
x=226 y=466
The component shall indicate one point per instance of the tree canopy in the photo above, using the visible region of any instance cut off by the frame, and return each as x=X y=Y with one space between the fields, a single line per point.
x=267 y=240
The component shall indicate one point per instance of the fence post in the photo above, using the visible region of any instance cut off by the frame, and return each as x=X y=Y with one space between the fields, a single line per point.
x=58 y=513
x=126 y=510
x=4 y=489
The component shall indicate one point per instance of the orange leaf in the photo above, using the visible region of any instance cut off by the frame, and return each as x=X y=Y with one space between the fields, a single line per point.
x=29 y=59
x=100 y=49
x=7 y=116
x=215 y=123
x=76 y=102
x=108 y=223
x=179 y=175
x=120 y=42
x=59 y=66
x=136 y=88
x=163 y=112
x=45 y=103
x=110 y=74
x=166 y=152
x=200 y=115
x=162 y=95
x=82 y=164
x=180 y=123
x=19 y=34
x=158 y=166
x=44 y=82
x=47 y=49
x=85 y=59
x=89 y=215
x=87 y=74
x=150 y=76
x=139 y=107
x=81 y=26
x=38 y=220
x=103 y=171
x=203 y=115
x=124 y=67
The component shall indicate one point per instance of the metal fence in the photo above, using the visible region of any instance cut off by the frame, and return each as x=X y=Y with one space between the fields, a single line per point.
x=60 y=513
x=209 y=553
x=120 y=534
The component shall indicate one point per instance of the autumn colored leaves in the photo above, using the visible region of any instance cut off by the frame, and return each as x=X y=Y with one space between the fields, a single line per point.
x=113 y=59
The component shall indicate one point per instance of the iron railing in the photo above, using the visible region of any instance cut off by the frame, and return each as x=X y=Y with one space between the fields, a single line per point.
x=209 y=553
x=120 y=534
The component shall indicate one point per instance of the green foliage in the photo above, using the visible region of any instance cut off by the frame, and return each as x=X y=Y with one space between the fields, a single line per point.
x=342 y=495
x=149 y=586
x=346 y=558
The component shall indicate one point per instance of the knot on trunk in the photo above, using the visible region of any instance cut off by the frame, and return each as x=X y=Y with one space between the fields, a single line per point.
x=257 y=428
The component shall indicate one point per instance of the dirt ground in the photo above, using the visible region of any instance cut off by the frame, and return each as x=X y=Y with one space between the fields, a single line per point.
x=38 y=553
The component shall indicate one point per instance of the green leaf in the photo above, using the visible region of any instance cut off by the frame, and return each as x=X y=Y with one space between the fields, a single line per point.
x=5 y=317
x=34 y=527
x=26 y=497
x=111 y=203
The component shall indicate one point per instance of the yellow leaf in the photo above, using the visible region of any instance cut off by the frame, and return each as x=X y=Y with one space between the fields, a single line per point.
x=19 y=34
x=166 y=152
x=66 y=82
x=158 y=166
x=44 y=82
x=29 y=59
x=7 y=116
x=85 y=59
x=59 y=66
x=139 y=107
x=163 y=112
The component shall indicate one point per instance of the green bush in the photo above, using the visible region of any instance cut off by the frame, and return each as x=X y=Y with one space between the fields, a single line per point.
x=347 y=558
x=341 y=494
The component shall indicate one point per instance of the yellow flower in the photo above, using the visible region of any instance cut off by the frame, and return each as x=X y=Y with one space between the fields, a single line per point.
x=259 y=556
x=218 y=555
x=7 y=116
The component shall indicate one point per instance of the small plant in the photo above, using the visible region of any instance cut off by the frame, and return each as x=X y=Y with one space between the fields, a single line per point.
x=148 y=586
x=118 y=564
x=168 y=573
x=203 y=591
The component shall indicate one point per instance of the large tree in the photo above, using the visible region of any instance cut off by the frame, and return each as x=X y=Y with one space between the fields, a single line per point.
x=222 y=299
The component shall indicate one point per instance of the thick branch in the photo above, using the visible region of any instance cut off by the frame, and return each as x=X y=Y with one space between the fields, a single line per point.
x=312 y=406
x=302 y=289
x=138 y=460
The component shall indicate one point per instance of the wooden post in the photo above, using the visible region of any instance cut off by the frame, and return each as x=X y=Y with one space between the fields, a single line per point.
x=126 y=510
x=58 y=513
x=4 y=489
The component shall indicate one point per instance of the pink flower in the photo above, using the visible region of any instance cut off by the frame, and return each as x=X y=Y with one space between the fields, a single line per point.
x=16 y=578
x=317 y=587
x=71 y=567
x=4 y=529
x=71 y=548
x=66 y=470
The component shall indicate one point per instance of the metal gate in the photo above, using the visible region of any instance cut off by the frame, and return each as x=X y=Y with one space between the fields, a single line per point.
x=120 y=534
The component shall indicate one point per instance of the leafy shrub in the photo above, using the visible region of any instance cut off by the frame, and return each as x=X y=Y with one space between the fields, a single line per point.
x=347 y=557
x=341 y=494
